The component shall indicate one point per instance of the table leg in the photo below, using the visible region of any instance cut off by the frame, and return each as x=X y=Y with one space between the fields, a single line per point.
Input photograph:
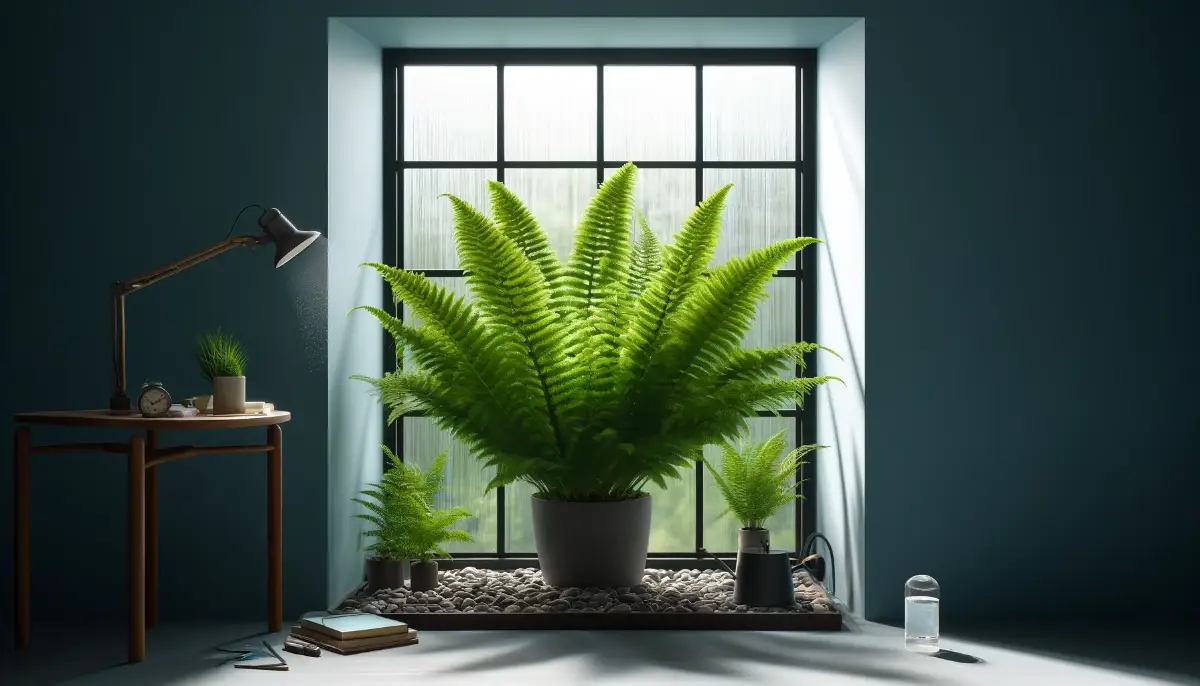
x=21 y=536
x=275 y=529
x=137 y=549
x=151 y=533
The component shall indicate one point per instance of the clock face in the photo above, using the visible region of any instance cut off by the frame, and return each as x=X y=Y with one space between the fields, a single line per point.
x=154 y=402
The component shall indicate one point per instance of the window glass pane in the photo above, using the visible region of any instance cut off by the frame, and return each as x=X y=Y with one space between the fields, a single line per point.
x=759 y=211
x=649 y=113
x=775 y=319
x=429 y=220
x=673 y=518
x=464 y=483
x=666 y=197
x=749 y=113
x=720 y=530
x=557 y=198
x=550 y=113
x=518 y=518
x=449 y=113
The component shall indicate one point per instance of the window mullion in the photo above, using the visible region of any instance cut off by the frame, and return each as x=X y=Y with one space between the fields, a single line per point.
x=500 y=490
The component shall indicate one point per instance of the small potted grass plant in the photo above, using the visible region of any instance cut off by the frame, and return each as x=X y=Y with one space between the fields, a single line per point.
x=406 y=525
x=756 y=479
x=223 y=362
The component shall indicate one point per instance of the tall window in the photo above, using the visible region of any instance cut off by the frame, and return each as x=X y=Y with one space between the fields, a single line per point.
x=552 y=125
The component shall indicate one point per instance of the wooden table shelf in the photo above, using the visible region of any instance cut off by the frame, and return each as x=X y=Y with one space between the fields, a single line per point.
x=144 y=457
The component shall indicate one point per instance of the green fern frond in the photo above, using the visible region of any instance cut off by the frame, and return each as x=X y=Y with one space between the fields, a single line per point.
x=515 y=298
x=518 y=224
x=646 y=258
x=683 y=265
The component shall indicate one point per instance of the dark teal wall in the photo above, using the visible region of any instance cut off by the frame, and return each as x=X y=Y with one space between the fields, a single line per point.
x=1029 y=258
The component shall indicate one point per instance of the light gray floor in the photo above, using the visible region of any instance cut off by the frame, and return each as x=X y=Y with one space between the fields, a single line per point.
x=863 y=654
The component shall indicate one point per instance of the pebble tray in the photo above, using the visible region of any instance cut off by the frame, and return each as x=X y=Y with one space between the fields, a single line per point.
x=478 y=599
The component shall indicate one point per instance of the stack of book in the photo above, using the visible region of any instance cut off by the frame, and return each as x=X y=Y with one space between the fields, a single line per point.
x=354 y=633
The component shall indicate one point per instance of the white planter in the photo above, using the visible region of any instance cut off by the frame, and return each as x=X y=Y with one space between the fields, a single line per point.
x=229 y=395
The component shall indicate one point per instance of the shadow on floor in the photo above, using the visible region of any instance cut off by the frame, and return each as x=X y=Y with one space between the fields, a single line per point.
x=955 y=656
x=1154 y=650
x=184 y=651
x=175 y=651
x=725 y=654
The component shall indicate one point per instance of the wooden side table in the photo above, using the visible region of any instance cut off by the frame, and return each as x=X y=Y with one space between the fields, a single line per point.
x=145 y=456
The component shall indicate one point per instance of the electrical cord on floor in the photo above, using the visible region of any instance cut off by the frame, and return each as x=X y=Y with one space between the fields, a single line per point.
x=820 y=570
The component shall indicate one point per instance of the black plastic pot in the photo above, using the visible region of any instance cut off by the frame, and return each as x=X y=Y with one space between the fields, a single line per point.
x=384 y=574
x=592 y=544
x=764 y=580
x=423 y=575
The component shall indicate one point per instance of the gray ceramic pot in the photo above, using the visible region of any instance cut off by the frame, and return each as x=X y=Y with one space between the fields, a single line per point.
x=423 y=575
x=754 y=541
x=592 y=544
x=384 y=574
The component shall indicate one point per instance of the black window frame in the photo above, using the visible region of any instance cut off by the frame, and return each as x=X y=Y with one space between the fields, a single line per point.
x=394 y=165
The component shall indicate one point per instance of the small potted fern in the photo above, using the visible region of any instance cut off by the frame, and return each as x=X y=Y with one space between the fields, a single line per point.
x=407 y=526
x=756 y=479
x=223 y=362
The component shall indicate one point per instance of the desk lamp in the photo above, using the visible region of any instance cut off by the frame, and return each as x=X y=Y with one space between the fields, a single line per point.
x=289 y=242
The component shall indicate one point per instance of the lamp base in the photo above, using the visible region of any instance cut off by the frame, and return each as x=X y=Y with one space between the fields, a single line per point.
x=119 y=403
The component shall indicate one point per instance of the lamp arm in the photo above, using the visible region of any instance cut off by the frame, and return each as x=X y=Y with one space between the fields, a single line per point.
x=172 y=268
x=119 y=401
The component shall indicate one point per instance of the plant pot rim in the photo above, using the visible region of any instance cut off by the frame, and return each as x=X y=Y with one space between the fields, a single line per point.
x=373 y=558
x=754 y=528
x=644 y=495
x=229 y=377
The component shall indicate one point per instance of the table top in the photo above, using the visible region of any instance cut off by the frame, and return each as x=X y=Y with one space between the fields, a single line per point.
x=104 y=419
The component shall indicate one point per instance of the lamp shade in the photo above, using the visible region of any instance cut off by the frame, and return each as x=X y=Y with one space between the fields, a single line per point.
x=289 y=241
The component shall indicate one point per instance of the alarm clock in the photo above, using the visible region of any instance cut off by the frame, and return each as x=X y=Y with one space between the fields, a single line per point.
x=154 y=401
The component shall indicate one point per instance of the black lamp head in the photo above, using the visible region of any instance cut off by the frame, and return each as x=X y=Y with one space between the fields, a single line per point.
x=289 y=241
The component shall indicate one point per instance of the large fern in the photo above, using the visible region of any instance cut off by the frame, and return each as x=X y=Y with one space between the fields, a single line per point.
x=589 y=378
x=756 y=479
x=406 y=524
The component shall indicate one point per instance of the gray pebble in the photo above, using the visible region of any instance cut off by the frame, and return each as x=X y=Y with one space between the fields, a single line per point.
x=525 y=591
